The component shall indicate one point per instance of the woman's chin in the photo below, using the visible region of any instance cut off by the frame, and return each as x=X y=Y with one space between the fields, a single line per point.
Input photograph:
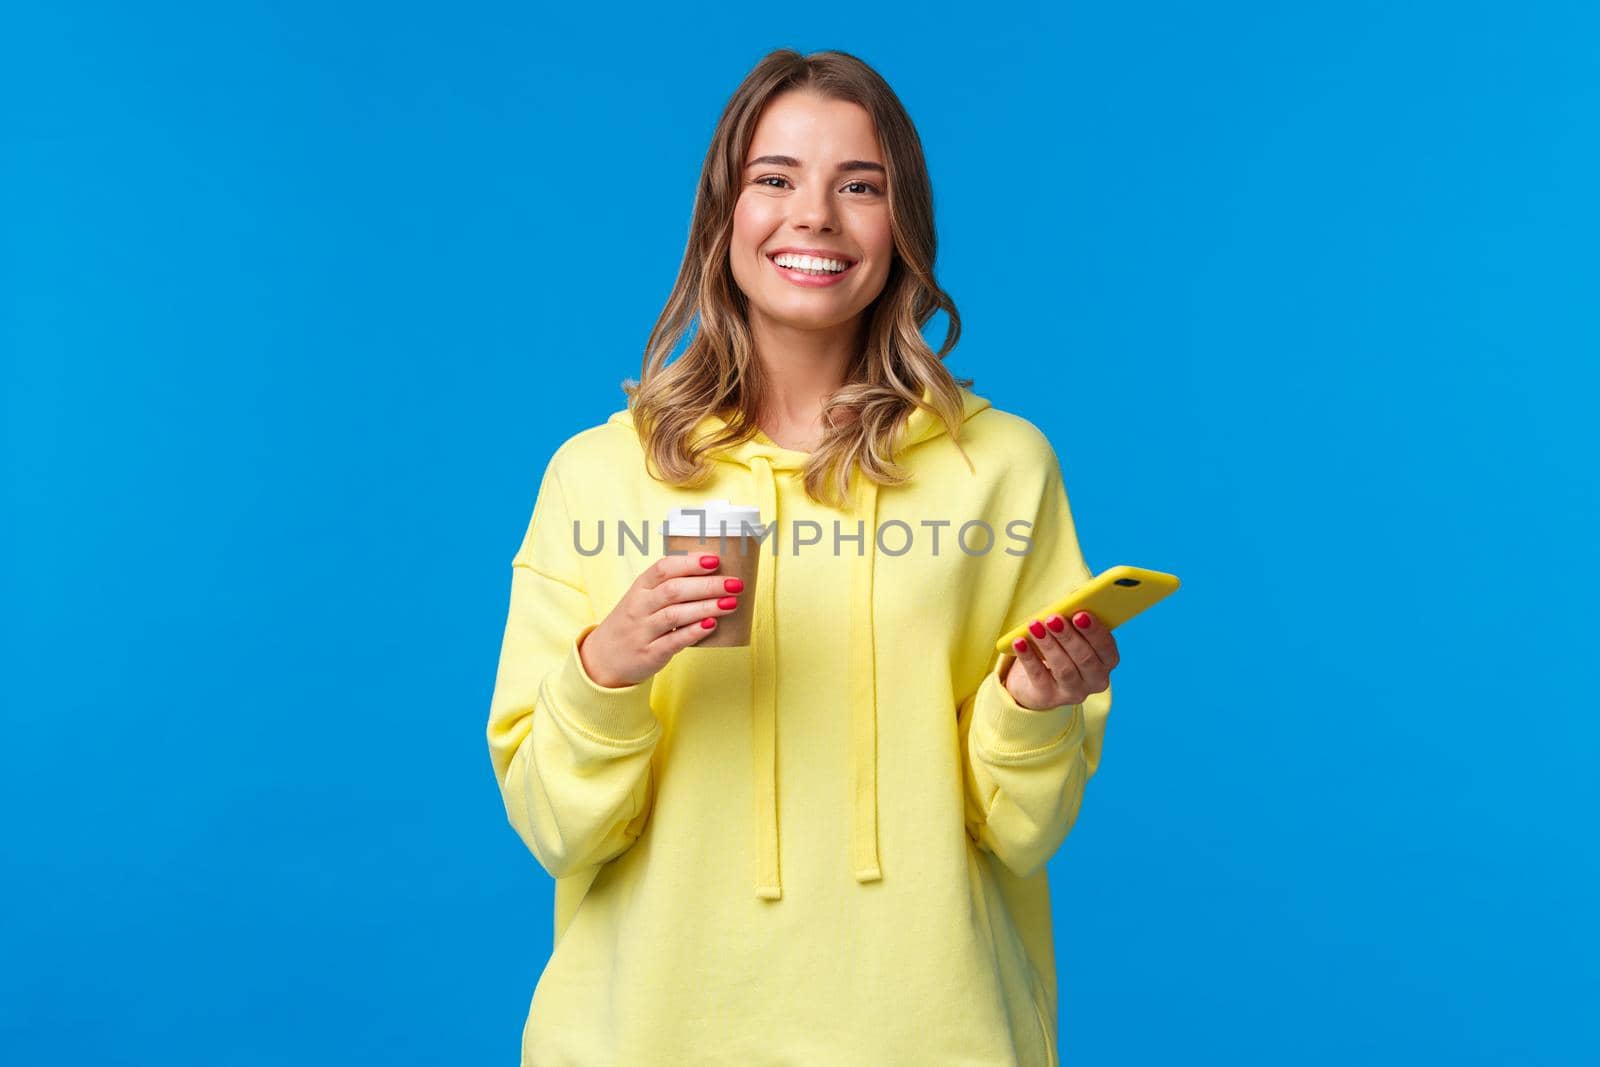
x=805 y=314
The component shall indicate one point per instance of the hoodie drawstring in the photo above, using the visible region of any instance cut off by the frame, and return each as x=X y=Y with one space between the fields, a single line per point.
x=764 y=694
x=863 y=690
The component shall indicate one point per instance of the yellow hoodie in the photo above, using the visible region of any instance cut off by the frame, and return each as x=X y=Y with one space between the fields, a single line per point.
x=827 y=847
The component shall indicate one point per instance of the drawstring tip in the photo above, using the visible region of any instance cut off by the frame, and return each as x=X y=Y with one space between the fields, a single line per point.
x=769 y=892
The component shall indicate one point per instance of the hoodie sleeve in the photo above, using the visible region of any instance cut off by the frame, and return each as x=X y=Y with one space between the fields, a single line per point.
x=572 y=757
x=1025 y=770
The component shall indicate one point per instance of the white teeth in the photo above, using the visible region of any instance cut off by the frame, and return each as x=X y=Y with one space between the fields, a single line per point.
x=809 y=264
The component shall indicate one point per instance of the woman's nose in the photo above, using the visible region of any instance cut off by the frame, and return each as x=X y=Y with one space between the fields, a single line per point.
x=813 y=209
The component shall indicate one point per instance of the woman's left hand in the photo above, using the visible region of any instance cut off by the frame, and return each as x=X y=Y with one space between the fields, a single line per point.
x=1061 y=664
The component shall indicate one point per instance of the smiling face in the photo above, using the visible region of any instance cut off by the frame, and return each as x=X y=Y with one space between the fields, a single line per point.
x=814 y=182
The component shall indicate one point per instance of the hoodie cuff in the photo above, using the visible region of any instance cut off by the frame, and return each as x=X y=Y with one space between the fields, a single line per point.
x=1008 y=731
x=618 y=715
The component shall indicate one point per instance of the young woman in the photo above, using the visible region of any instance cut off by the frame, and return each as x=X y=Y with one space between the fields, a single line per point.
x=828 y=845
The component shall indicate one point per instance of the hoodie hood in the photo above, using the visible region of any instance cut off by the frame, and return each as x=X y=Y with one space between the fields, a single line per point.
x=766 y=462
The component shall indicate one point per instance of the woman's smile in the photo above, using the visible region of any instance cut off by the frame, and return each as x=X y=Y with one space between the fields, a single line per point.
x=810 y=278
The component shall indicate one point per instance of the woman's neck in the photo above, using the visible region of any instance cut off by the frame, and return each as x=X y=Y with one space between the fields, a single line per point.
x=800 y=370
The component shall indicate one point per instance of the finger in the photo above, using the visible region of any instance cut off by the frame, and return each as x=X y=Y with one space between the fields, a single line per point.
x=684 y=589
x=675 y=566
x=691 y=612
x=659 y=582
x=1028 y=661
x=1094 y=671
x=1075 y=646
x=688 y=634
x=1039 y=640
x=1098 y=637
x=1056 y=653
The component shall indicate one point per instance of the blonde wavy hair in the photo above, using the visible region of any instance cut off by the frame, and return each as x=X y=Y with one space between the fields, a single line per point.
x=718 y=372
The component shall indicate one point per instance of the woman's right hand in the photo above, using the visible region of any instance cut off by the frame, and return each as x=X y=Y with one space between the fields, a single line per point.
x=673 y=604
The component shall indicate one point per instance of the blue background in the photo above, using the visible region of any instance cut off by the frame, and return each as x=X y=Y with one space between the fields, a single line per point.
x=298 y=300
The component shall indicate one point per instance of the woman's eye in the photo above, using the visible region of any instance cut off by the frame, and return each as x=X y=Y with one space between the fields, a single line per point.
x=865 y=187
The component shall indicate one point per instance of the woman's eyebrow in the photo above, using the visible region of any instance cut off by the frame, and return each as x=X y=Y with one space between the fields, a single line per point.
x=790 y=161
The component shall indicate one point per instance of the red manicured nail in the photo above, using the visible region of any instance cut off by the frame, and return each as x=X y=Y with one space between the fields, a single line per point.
x=1081 y=620
x=728 y=603
x=1036 y=628
x=733 y=585
x=1056 y=623
x=708 y=562
x=1020 y=644
x=706 y=624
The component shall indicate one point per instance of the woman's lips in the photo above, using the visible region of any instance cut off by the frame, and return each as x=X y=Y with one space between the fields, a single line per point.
x=810 y=281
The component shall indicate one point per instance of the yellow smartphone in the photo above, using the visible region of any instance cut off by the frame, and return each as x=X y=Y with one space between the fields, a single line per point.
x=1112 y=597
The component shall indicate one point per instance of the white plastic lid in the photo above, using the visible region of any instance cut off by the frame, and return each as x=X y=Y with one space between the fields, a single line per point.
x=714 y=518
